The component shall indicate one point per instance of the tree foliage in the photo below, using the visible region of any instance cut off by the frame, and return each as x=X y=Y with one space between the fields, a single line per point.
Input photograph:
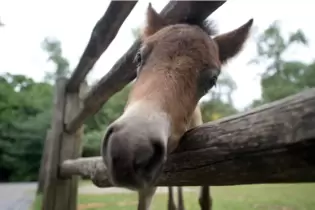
x=24 y=118
x=282 y=77
x=54 y=50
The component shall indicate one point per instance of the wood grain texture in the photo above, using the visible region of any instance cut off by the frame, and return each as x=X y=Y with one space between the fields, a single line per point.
x=59 y=193
x=67 y=189
x=43 y=163
x=53 y=147
x=102 y=35
x=124 y=70
x=274 y=143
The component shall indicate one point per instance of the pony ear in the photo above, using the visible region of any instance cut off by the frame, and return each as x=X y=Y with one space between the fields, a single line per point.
x=154 y=22
x=231 y=43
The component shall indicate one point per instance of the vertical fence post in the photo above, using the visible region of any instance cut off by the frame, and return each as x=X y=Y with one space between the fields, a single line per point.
x=59 y=193
x=42 y=170
x=51 y=175
x=70 y=149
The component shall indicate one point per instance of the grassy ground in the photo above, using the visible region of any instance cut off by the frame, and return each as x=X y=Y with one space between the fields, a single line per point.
x=84 y=182
x=247 y=197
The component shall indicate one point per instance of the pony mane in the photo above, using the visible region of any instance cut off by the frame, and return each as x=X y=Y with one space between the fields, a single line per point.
x=209 y=26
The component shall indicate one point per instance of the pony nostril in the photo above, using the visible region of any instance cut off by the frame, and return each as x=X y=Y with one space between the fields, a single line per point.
x=110 y=130
x=147 y=160
x=108 y=133
x=157 y=157
x=142 y=161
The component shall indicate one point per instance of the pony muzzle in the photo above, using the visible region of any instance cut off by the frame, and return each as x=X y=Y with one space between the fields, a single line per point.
x=134 y=158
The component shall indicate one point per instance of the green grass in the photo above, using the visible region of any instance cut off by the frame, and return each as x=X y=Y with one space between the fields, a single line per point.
x=84 y=182
x=246 y=197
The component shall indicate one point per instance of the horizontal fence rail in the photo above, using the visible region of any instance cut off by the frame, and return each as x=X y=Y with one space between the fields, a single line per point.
x=124 y=70
x=274 y=143
x=102 y=35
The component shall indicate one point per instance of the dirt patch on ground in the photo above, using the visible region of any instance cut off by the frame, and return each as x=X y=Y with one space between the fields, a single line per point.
x=129 y=203
x=101 y=205
x=91 y=205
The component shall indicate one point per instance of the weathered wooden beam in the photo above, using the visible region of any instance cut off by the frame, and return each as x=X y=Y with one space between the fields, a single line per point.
x=102 y=35
x=59 y=193
x=70 y=148
x=55 y=136
x=124 y=69
x=43 y=163
x=274 y=143
x=91 y=167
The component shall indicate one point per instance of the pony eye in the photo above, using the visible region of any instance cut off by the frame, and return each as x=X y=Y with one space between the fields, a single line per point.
x=138 y=59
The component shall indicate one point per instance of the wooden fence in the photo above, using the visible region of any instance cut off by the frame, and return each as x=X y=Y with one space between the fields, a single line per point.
x=274 y=143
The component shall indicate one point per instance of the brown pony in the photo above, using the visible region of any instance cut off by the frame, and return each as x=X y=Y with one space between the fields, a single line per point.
x=177 y=65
